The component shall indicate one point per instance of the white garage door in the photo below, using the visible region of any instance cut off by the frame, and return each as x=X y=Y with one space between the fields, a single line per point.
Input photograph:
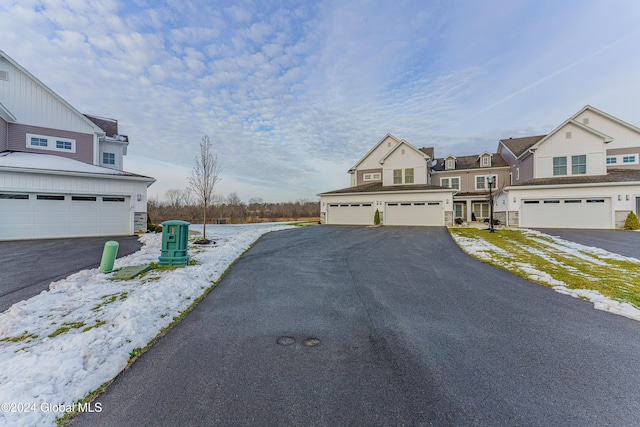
x=414 y=213
x=32 y=216
x=350 y=213
x=566 y=213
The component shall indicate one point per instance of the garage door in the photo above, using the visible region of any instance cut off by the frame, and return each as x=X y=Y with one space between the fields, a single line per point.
x=32 y=216
x=414 y=213
x=566 y=213
x=350 y=213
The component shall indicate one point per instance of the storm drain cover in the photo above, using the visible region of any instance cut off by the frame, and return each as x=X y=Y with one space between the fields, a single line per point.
x=311 y=342
x=285 y=340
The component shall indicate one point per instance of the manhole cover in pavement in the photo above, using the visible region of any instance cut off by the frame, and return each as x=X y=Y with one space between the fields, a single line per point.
x=285 y=340
x=311 y=342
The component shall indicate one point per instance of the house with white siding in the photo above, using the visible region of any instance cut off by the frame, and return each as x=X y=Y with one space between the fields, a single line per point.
x=61 y=172
x=583 y=174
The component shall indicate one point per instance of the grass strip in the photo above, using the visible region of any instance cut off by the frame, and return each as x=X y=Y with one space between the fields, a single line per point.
x=525 y=254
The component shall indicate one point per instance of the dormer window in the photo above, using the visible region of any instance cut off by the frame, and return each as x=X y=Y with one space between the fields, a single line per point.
x=449 y=163
x=485 y=161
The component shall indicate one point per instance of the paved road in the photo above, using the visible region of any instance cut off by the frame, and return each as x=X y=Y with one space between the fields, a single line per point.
x=27 y=267
x=411 y=331
x=622 y=242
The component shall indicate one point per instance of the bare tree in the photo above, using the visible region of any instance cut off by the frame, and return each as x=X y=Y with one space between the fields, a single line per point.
x=204 y=177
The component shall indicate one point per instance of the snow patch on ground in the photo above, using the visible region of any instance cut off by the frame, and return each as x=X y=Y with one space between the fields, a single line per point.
x=69 y=340
x=485 y=251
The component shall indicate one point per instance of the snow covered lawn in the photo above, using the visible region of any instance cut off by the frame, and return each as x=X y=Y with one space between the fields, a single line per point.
x=64 y=343
x=610 y=281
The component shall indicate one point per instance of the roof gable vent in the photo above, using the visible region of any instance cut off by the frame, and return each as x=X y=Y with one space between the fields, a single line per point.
x=4 y=75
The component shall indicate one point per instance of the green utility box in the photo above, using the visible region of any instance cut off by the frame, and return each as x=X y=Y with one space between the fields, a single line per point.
x=175 y=241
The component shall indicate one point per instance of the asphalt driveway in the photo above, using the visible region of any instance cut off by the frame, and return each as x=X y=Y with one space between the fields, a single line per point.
x=338 y=326
x=621 y=242
x=27 y=267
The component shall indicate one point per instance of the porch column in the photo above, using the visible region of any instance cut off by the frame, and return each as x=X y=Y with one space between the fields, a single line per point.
x=468 y=210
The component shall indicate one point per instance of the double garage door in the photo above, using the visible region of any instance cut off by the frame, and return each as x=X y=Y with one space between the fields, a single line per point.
x=33 y=216
x=414 y=213
x=397 y=213
x=566 y=213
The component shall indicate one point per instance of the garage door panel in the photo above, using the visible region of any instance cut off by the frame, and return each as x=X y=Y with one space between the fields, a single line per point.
x=350 y=213
x=566 y=213
x=27 y=216
x=414 y=213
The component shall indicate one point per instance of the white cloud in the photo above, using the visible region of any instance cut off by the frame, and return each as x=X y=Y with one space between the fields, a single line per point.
x=286 y=93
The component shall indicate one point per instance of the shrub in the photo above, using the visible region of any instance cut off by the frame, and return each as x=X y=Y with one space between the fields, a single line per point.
x=151 y=227
x=376 y=217
x=631 y=223
x=459 y=221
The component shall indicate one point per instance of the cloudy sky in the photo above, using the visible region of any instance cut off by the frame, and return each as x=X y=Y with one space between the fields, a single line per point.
x=293 y=93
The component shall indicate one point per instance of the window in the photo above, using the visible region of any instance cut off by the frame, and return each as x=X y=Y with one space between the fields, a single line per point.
x=14 y=196
x=57 y=144
x=612 y=160
x=397 y=176
x=39 y=142
x=517 y=174
x=450 y=183
x=480 y=210
x=108 y=158
x=485 y=161
x=371 y=177
x=450 y=164
x=579 y=165
x=553 y=202
x=47 y=197
x=481 y=183
x=559 y=166
x=83 y=198
x=63 y=145
x=408 y=176
x=121 y=199
x=628 y=159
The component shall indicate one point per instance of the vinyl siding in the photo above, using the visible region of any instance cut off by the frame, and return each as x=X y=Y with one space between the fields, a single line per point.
x=18 y=141
x=31 y=103
x=4 y=145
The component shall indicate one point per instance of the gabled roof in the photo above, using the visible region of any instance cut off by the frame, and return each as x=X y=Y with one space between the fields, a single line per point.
x=109 y=126
x=605 y=138
x=373 y=149
x=377 y=187
x=49 y=91
x=403 y=142
x=469 y=162
x=612 y=176
x=608 y=116
x=429 y=151
x=519 y=145
x=50 y=163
